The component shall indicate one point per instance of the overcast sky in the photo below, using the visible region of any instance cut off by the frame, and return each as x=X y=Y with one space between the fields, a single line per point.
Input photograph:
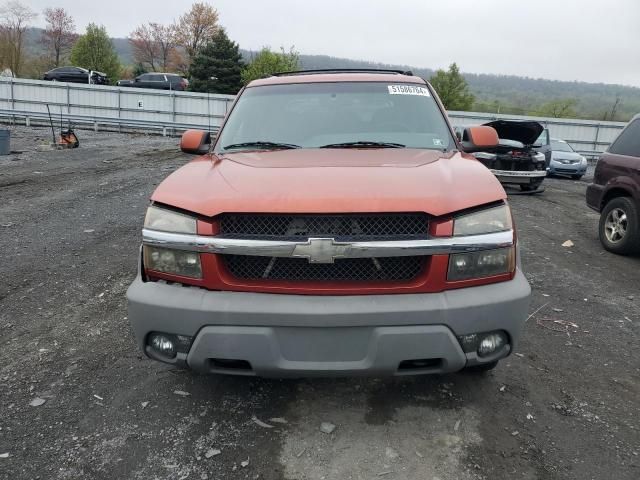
x=586 y=40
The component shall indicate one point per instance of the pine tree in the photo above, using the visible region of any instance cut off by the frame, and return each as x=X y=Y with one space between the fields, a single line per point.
x=217 y=67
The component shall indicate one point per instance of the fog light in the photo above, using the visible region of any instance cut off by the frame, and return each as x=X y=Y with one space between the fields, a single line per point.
x=163 y=344
x=491 y=343
x=469 y=342
x=183 y=343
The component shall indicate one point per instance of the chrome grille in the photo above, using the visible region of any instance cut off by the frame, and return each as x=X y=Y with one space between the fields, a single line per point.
x=354 y=227
x=391 y=269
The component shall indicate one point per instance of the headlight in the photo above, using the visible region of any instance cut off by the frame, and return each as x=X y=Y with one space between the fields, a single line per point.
x=165 y=260
x=489 y=220
x=173 y=262
x=485 y=263
x=168 y=221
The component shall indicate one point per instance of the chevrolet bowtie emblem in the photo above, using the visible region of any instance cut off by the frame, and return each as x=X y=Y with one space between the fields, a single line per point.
x=321 y=250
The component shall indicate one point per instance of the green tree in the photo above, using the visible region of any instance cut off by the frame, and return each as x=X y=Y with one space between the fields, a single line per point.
x=94 y=51
x=561 y=108
x=138 y=69
x=452 y=89
x=266 y=63
x=217 y=67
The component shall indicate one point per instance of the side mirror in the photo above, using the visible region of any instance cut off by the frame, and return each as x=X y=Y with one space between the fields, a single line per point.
x=478 y=139
x=196 y=142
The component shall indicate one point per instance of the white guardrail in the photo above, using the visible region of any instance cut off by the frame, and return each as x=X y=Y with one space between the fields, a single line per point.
x=169 y=112
x=105 y=106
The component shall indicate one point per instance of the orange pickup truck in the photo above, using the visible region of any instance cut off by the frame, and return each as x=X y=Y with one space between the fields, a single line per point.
x=334 y=226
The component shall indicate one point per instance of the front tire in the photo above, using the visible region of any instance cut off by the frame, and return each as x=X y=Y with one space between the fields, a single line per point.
x=619 y=227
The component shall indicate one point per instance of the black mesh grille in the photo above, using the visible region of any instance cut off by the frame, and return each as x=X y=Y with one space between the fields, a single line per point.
x=341 y=227
x=394 y=269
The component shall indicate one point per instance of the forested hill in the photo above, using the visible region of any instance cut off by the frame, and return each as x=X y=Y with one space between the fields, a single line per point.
x=494 y=93
x=513 y=94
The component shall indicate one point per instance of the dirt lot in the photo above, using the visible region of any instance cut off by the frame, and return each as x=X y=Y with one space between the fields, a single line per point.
x=566 y=406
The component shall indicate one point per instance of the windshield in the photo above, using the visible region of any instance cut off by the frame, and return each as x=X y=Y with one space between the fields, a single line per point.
x=334 y=115
x=543 y=138
x=557 y=146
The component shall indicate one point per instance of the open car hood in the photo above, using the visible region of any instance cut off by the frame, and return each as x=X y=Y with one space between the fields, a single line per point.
x=526 y=132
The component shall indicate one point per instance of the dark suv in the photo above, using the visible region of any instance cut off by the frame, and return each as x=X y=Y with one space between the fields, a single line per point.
x=615 y=192
x=160 y=81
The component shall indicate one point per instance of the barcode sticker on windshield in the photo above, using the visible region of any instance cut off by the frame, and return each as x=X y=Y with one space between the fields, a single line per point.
x=408 y=90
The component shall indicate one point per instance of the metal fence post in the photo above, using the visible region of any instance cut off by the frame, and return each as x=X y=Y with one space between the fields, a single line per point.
x=68 y=100
x=13 y=103
x=595 y=141
x=119 y=114
x=173 y=112
x=13 y=100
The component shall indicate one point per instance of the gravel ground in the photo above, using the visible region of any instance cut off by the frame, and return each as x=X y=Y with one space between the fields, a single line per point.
x=78 y=400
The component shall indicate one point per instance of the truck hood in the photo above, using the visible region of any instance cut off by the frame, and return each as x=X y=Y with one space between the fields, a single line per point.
x=526 y=132
x=330 y=181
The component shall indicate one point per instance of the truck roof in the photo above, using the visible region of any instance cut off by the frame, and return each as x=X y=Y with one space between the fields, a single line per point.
x=337 y=76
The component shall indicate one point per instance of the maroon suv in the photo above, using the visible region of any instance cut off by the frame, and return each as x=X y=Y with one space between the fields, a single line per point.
x=615 y=192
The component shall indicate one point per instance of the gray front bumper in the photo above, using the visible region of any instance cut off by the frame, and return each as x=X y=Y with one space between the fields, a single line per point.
x=299 y=335
x=567 y=168
x=519 y=177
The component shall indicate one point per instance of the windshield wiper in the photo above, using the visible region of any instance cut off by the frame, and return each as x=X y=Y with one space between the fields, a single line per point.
x=261 y=145
x=365 y=144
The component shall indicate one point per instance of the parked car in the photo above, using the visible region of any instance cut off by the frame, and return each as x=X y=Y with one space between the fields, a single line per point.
x=543 y=145
x=332 y=228
x=160 y=81
x=515 y=161
x=566 y=161
x=615 y=192
x=76 y=75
